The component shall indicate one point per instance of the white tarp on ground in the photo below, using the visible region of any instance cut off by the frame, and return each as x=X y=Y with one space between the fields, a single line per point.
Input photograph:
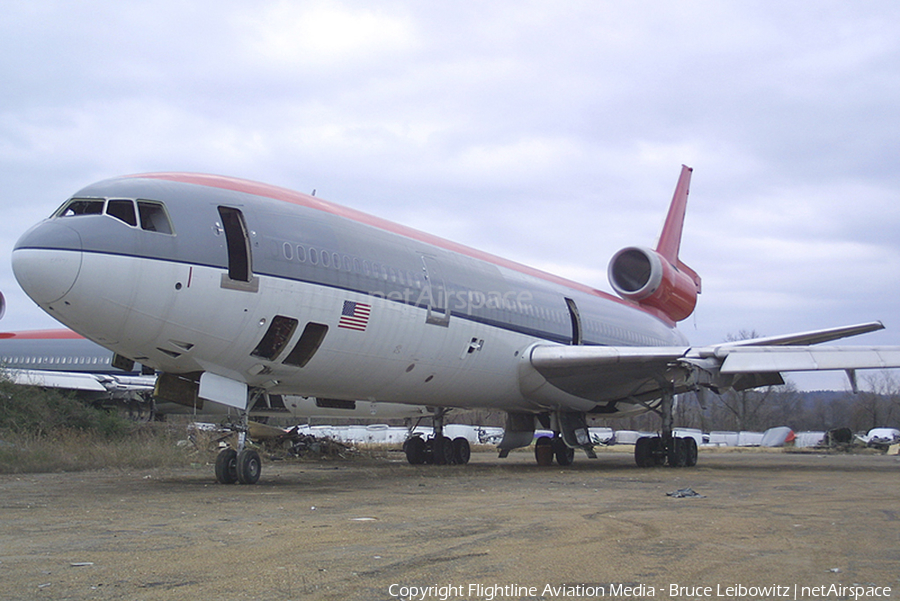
x=602 y=435
x=773 y=437
x=808 y=439
x=882 y=436
x=629 y=436
x=384 y=434
x=776 y=437
x=723 y=439
x=694 y=433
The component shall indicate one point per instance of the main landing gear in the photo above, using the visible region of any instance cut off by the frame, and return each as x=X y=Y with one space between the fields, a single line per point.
x=438 y=449
x=666 y=449
x=547 y=449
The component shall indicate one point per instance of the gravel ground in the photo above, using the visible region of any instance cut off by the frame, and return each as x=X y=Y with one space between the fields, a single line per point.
x=376 y=528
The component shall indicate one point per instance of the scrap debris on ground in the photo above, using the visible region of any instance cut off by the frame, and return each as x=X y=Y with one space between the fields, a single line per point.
x=685 y=493
x=275 y=442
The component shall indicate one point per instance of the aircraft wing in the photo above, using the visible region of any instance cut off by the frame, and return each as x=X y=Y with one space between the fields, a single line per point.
x=610 y=374
x=82 y=381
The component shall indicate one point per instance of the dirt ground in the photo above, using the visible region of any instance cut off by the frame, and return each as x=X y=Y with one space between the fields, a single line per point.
x=375 y=528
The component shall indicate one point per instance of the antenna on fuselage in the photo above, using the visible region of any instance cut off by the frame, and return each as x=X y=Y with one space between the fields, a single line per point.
x=313 y=192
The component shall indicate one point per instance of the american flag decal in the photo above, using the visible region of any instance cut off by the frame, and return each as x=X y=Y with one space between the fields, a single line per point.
x=355 y=316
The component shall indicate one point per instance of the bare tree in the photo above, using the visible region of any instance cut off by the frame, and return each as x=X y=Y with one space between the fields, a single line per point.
x=879 y=404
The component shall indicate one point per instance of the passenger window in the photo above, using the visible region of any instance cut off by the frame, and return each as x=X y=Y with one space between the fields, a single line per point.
x=153 y=217
x=122 y=210
x=80 y=206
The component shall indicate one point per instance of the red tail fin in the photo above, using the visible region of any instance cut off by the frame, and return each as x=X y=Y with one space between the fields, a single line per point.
x=670 y=237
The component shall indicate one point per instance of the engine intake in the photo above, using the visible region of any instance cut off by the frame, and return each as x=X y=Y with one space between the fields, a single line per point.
x=644 y=276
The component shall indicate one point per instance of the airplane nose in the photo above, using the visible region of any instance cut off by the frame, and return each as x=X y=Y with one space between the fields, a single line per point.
x=46 y=261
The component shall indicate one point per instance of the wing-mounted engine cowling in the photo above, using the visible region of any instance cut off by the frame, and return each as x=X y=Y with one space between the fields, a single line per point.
x=644 y=276
x=2 y=305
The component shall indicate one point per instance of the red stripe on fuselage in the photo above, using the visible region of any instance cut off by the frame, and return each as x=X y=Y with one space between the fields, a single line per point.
x=283 y=194
x=41 y=335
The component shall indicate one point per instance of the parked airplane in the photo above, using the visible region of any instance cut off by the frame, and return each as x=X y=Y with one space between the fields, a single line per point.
x=63 y=359
x=231 y=288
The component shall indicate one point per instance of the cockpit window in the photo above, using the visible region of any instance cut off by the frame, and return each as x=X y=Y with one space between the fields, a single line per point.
x=152 y=214
x=122 y=209
x=80 y=206
x=154 y=217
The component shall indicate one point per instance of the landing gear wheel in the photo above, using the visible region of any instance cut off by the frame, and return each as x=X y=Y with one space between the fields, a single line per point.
x=565 y=455
x=659 y=452
x=543 y=451
x=677 y=455
x=690 y=451
x=643 y=452
x=249 y=466
x=226 y=466
x=461 y=450
x=442 y=450
x=415 y=450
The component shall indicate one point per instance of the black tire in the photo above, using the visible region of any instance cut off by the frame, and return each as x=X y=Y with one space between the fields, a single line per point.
x=659 y=454
x=415 y=450
x=643 y=452
x=677 y=455
x=564 y=454
x=461 y=451
x=539 y=445
x=442 y=450
x=226 y=466
x=249 y=466
x=691 y=451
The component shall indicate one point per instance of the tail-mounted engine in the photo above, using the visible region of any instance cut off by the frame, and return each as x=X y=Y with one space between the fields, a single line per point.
x=646 y=277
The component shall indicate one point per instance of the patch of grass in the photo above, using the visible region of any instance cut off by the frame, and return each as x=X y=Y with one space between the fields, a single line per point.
x=148 y=446
x=29 y=409
x=49 y=431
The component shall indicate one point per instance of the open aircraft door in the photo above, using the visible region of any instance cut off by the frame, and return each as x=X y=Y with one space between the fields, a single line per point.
x=434 y=294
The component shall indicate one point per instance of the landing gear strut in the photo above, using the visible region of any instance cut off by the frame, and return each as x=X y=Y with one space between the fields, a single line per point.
x=666 y=449
x=439 y=449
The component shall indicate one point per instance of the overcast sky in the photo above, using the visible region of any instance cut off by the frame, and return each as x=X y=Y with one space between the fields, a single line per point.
x=551 y=133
